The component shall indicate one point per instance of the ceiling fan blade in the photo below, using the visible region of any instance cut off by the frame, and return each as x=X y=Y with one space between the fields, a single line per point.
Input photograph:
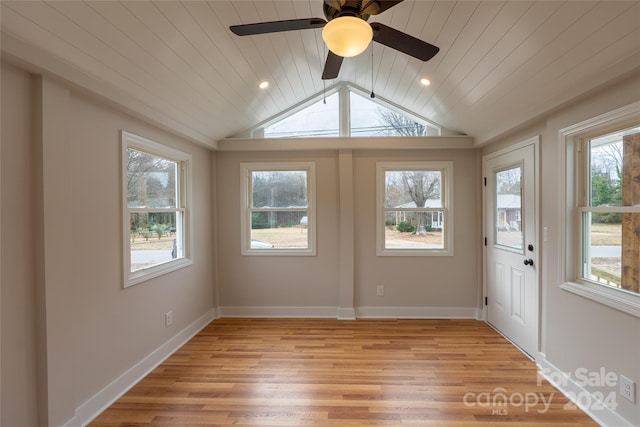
x=277 y=26
x=403 y=42
x=332 y=66
x=374 y=7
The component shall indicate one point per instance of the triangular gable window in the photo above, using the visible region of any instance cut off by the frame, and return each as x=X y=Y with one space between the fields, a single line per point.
x=367 y=118
x=317 y=120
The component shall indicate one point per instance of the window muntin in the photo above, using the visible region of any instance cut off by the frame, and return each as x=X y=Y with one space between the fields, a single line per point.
x=609 y=209
x=278 y=215
x=414 y=208
x=155 y=208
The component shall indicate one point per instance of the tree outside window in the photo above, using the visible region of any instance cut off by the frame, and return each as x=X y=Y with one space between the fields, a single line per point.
x=154 y=187
x=278 y=213
x=610 y=211
x=414 y=206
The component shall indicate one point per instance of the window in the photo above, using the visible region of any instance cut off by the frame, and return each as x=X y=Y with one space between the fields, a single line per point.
x=320 y=119
x=278 y=213
x=370 y=118
x=602 y=247
x=155 y=208
x=414 y=208
x=344 y=111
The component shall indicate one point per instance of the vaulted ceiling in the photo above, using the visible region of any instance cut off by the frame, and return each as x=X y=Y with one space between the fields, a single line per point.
x=501 y=63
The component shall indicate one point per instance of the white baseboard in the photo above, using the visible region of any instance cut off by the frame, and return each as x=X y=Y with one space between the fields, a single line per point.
x=347 y=313
x=602 y=414
x=351 y=313
x=105 y=397
x=418 y=312
x=277 y=311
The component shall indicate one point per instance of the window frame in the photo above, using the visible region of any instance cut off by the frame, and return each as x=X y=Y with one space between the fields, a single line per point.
x=246 y=170
x=575 y=173
x=183 y=160
x=446 y=169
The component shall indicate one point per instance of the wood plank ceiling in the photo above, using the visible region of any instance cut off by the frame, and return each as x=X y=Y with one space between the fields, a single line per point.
x=501 y=64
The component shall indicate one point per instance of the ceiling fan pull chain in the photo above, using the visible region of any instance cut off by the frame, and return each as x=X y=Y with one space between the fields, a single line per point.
x=324 y=81
x=373 y=95
x=324 y=92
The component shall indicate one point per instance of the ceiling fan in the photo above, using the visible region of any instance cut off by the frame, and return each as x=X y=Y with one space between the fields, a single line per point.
x=346 y=32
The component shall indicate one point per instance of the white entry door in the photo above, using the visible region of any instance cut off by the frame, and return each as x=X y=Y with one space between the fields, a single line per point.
x=511 y=248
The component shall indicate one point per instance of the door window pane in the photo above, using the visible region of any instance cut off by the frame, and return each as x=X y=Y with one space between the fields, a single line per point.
x=508 y=208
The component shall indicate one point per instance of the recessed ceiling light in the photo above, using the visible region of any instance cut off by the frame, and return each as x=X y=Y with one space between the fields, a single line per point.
x=425 y=81
x=263 y=84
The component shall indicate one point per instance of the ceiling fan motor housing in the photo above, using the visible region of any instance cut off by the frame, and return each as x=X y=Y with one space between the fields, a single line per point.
x=334 y=9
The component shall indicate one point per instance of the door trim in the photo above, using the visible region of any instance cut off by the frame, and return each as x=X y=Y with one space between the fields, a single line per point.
x=535 y=141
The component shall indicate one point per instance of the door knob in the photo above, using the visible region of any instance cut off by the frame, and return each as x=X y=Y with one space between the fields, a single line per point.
x=528 y=262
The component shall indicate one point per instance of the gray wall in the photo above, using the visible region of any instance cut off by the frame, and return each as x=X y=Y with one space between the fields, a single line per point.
x=578 y=333
x=18 y=279
x=414 y=286
x=62 y=292
x=69 y=329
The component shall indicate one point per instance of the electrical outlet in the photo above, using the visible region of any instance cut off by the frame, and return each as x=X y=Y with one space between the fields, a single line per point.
x=627 y=388
x=168 y=318
x=380 y=291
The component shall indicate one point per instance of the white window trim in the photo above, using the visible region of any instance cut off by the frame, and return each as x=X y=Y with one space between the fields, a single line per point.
x=136 y=142
x=245 y=217
x=570 y=242
x=447 y=187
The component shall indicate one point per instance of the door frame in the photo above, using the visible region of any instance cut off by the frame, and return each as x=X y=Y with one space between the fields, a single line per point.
x=540 y=241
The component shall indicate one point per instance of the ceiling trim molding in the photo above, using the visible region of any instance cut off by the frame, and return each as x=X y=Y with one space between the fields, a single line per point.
x=39 y=61
x=349 y=143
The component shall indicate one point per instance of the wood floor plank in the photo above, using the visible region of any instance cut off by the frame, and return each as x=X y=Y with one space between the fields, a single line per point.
x=331 y=373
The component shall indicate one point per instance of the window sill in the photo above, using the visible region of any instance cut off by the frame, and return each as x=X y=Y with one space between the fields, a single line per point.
x=620 y=300
x=156 y=271
x=414 y=252
x=278 y=252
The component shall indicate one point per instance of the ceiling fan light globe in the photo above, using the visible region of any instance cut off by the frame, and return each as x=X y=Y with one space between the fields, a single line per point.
x=347 y=36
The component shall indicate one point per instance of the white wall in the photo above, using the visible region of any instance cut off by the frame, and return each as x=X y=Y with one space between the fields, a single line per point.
x=414 y=286
x=62 y=293
x=578 y=333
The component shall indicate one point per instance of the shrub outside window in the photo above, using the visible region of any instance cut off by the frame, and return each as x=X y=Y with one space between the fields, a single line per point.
x=414 y=208
x=278 y=214
x=155 y=208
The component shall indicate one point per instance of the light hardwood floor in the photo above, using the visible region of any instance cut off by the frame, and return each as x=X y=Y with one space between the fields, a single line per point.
x=331 y=373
